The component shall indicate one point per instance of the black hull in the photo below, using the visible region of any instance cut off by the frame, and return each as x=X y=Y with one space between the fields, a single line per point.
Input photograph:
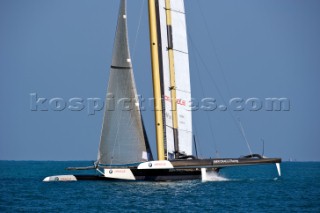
x=166 y=174
x=152 y=175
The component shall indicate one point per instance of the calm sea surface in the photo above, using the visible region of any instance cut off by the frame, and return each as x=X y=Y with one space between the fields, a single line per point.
x=242 y=189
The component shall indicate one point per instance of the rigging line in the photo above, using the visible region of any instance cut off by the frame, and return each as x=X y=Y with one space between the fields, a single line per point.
x=138 y=29
x=244 y=135
x=213 y=46
x=215 y=85
x=203 y=94
x=195 y=146
x=262 y=146
x=198 y=145
x=206 y=69
x=103 y=120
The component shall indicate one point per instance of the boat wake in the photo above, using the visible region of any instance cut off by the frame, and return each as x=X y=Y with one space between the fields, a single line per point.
x=212 y=176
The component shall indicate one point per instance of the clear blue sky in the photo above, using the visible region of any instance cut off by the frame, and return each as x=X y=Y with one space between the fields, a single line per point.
x=250 y=48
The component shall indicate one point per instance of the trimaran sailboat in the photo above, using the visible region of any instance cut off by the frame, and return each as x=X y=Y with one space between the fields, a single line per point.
x=124 y=151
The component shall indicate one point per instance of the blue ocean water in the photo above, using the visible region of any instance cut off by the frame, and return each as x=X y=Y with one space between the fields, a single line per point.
x=241 y=189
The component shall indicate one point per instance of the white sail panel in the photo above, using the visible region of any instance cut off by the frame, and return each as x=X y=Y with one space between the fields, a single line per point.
x=179 y=34
x=166 y=78
x=182 y=76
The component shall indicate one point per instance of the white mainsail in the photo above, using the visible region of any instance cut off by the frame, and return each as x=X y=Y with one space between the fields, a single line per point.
x=123 y=139
x=182 y=77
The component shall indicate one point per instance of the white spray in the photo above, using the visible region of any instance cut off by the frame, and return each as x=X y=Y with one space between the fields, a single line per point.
x=211 y=175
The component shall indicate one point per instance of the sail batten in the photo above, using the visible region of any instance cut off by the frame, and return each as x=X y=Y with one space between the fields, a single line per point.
x=123 y=138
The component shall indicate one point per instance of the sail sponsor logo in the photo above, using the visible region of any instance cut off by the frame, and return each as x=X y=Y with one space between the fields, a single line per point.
x=157 y=164
x=124 y=174
x=63 y=178
x=160 y=164
x=225 y=161
x=163 y=164
x=119 y=171
x=179 y=100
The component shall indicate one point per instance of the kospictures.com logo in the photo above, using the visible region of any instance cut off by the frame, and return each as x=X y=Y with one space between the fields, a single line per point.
x=92 y=105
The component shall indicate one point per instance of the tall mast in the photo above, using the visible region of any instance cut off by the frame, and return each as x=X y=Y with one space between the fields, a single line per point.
x=172 y=79
x=156 y=79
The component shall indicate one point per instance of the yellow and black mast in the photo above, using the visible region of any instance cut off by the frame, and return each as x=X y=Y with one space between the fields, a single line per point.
x=157 y=73
x=156 y=77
